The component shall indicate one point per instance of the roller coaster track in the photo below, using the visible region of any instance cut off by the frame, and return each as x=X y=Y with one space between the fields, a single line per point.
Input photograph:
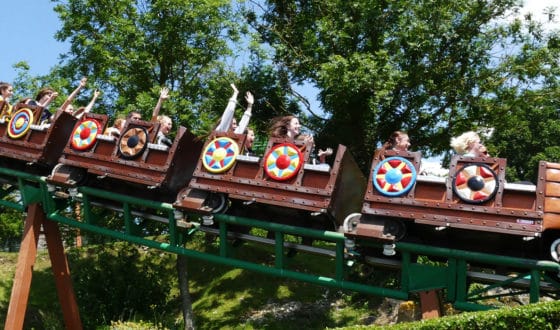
x=536 y=278
x=387 y=263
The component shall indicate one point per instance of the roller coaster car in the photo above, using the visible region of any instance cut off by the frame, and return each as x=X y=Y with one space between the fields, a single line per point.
x=132 y=158
x=474 y=197
x=282 y=178
x=23 y=139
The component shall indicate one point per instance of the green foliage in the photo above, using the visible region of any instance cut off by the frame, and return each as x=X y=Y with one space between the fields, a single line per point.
x=141 y=325
x=129 y=50
x=133 y=48
x=119 y=281
x=11 y=227
x=435 y=69
x=27 y=86
x=535 y=316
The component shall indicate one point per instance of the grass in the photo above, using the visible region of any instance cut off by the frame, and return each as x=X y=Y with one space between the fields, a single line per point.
x=234 y=298
x=223 y=297
x=43 y=308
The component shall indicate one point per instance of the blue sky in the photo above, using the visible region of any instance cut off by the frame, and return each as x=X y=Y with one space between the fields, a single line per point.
x=28 y=28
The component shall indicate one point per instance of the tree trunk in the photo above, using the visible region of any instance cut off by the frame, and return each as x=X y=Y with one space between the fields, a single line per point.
x=185 y=295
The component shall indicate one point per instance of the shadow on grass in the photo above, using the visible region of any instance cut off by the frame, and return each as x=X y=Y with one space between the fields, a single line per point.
x=225 y=297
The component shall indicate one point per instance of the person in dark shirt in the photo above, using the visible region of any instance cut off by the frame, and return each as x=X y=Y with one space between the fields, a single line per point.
x=43 y=98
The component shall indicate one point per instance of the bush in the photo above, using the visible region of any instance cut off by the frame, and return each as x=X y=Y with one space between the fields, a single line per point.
x=535 y=316
x=120 y=281
x=11 y=228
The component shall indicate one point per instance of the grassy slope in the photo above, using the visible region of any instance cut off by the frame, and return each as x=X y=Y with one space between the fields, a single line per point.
x=226 y=298
x=223 y=298
x=232 y=297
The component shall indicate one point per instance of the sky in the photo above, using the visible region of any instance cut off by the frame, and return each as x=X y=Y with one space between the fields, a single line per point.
x=28 y=34
x=30 y=38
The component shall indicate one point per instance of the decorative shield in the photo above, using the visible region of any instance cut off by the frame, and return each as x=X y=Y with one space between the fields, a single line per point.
x=283 y=161
x=133 y=142
x=219 y=155
x=20 y=123
x=85 y=135
x=475 y=183
x=394 y=176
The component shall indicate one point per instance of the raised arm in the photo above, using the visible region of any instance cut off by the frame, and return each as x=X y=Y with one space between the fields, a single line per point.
x=227 y=116
x=73 y=95
x=163 y=95
x=323 y=154
x=48 y=100
x=78 y=114
x=246 y=115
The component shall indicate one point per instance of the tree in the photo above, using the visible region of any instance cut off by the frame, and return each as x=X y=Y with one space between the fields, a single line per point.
x=524 y=106
x=133 y=48
x=432 y=68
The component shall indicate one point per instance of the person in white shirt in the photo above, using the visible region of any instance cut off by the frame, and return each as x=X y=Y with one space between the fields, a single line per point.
x=228 y=121
x=468 y=144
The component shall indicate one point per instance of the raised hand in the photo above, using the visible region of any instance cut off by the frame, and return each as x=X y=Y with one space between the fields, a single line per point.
x=164 y=94
x=325 y=153
x=235 y=92
x=249 y=98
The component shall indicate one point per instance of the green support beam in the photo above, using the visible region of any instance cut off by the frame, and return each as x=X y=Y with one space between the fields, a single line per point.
x=29 y=187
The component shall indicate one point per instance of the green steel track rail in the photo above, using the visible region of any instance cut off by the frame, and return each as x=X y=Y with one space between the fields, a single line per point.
x=451 y=276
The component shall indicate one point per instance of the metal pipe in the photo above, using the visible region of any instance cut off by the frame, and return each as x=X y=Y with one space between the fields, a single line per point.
x=126 y=199
x=22 y=175
x=480 y=257
x=286 y=229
